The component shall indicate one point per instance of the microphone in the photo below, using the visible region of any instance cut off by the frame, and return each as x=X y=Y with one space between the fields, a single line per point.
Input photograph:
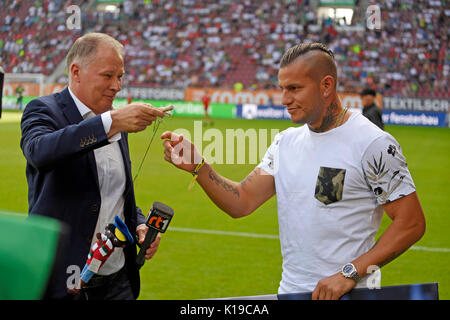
x=158 y=220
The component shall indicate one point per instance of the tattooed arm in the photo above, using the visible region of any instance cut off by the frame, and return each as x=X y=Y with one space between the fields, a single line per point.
x=387 y=175
x=237 y=199
x=407 y=227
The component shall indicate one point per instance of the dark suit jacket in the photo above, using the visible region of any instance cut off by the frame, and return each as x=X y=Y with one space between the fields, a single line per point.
x=62 y=179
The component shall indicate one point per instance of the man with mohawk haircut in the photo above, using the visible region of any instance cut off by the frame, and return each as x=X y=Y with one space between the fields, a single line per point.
x=333 y=177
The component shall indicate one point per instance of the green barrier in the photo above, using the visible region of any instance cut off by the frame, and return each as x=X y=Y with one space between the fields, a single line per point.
x=189 y=109
x=27 y=255
x=9 y=102
x=182 y=108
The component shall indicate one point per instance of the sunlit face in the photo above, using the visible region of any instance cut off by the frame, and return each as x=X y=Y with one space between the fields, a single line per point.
x=97 y=83
x=301 y=94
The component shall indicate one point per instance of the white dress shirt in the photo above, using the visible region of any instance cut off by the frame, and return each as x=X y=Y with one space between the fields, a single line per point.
x=111 y=178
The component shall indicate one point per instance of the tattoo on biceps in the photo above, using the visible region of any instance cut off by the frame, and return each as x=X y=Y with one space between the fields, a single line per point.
x=225 y=185
x=249 y=178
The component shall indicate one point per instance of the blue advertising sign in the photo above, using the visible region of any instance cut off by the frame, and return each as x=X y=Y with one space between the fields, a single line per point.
x=417 y=291
x=433 y=119
x=253 y=111
x=413 y=118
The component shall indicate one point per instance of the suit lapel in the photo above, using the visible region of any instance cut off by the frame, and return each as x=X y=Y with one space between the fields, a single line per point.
x=73 y=116
x=129 y=189
x=68 y=107
x=123 y=143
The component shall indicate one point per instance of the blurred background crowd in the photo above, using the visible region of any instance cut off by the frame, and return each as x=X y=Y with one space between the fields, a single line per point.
x=217 y=43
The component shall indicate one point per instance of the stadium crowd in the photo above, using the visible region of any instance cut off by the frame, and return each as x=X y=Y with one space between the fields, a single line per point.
x=33 y=35
x=213 y=43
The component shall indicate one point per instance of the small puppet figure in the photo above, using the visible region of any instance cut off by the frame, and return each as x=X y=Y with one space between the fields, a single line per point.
x=116 y=235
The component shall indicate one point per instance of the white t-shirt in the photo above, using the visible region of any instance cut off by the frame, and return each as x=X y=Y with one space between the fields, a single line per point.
x=329 y=190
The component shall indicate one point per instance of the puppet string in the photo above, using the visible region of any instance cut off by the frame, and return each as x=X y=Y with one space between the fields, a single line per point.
x=155 y=129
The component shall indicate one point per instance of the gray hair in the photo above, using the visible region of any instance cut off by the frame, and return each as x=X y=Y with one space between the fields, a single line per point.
x=84 y=49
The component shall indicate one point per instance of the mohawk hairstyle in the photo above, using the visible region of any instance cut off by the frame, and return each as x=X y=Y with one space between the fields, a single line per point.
x=318 y=66
x=302 y=48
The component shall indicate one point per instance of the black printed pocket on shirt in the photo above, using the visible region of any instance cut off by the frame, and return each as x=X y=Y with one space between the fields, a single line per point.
x=329 y=185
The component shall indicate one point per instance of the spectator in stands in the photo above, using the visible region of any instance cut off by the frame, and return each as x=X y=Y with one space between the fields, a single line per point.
x=370 y=109
x=225 y=43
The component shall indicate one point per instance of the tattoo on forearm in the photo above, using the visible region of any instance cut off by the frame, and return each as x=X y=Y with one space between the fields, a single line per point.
x=225 y=185
x=391 y=257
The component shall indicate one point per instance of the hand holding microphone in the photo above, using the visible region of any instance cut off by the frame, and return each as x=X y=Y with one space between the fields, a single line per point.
x=141 y=232
x=157 y=222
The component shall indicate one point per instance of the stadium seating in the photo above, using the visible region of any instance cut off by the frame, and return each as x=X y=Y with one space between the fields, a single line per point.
x=210 y=43
x=34 y=37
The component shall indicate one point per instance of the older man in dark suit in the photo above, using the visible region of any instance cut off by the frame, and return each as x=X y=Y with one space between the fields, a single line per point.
x=78 y=165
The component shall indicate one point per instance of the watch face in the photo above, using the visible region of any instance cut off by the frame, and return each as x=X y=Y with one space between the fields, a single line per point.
x=348 y=268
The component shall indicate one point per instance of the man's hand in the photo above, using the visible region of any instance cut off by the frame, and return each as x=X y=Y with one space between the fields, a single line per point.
x=332 y=288
x=133 y=117
x=141 y=231
x=179 y=151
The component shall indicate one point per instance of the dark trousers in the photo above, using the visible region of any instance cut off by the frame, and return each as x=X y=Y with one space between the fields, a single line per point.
x=116 y=288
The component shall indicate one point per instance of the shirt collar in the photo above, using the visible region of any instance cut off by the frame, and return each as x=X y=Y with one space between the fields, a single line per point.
x=82 y=108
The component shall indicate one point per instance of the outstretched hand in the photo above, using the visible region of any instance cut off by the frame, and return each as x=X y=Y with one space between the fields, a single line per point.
x=179 y=151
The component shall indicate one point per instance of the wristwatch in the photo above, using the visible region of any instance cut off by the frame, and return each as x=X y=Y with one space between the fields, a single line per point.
x=349 y=271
